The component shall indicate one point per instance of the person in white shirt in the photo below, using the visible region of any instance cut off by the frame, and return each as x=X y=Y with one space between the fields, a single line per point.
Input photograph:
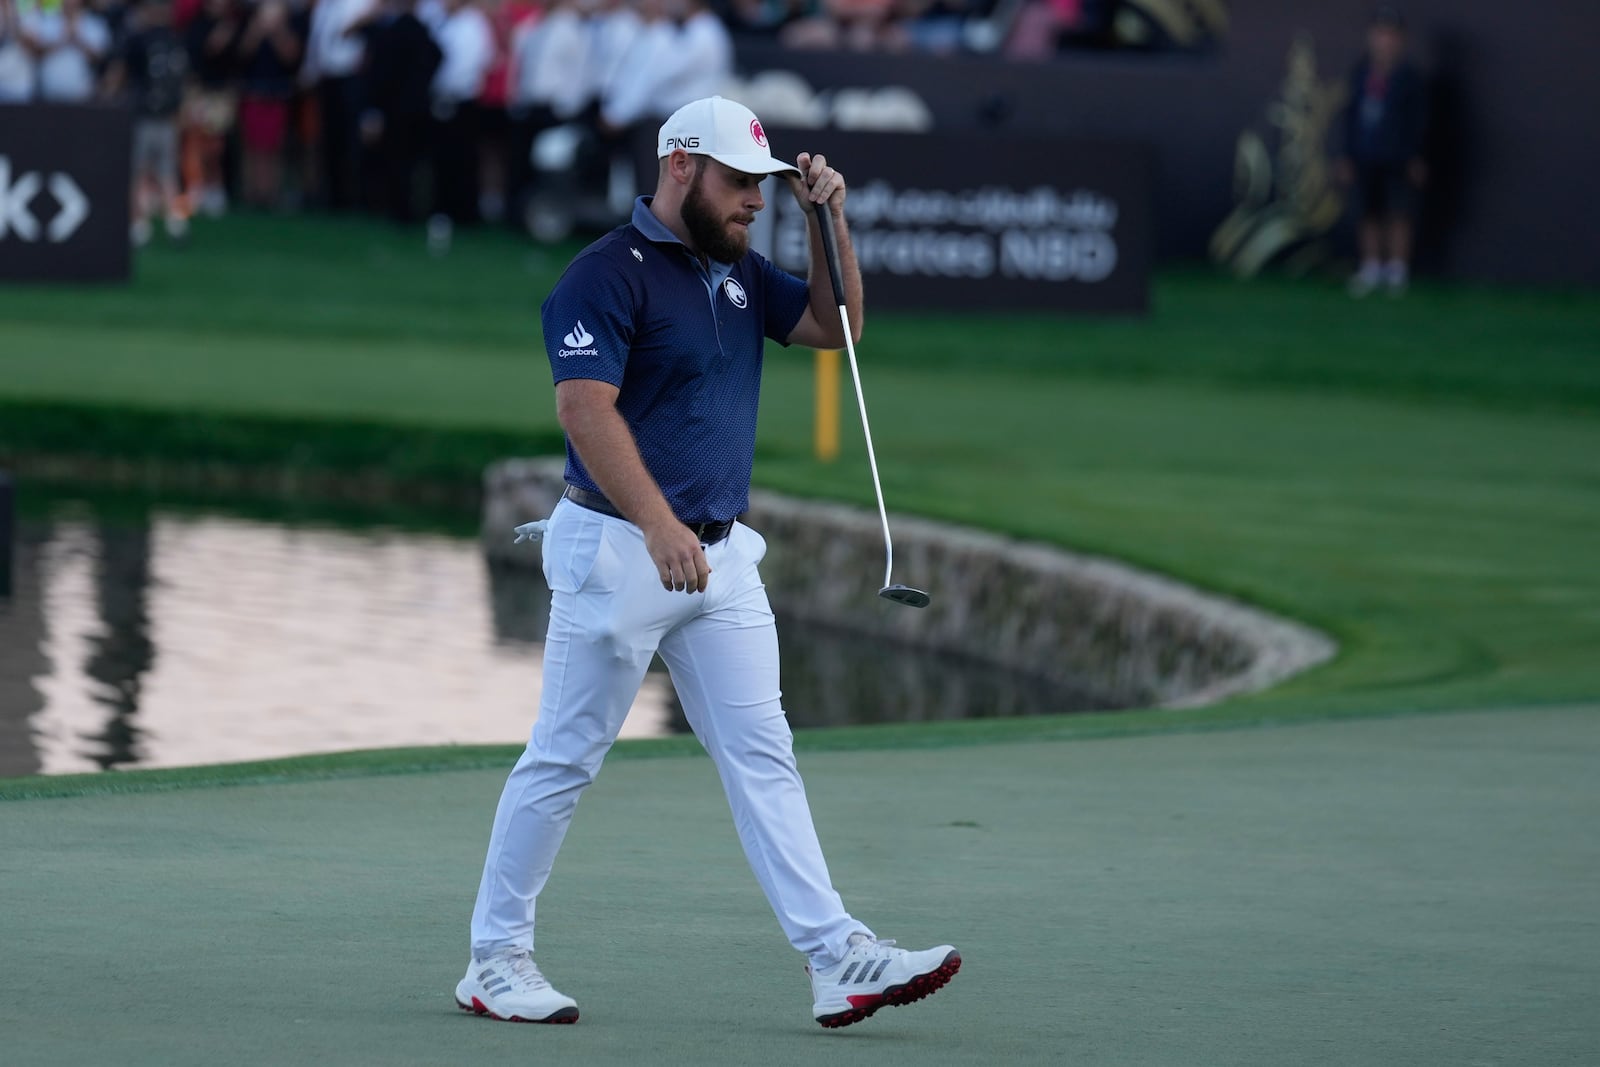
x=16 y=59
x=683 y=52
x=332 y=67
x=467 y=41
x=550 y=83
x=70 y=42
x=617 y=25
x=551 y=64
x=703 y=57
x=626 y=98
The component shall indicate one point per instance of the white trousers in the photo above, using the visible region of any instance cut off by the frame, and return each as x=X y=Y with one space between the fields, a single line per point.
x=608 y=616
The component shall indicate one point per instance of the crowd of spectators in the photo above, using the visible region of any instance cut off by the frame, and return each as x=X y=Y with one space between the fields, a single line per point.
x=1018 y=29
x=414 y=108
x=410 y=108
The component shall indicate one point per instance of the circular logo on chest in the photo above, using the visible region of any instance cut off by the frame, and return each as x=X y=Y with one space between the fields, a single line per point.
x=735 y=293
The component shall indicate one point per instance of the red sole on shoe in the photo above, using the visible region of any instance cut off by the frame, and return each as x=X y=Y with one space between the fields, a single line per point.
x=923 y=985
x=565 y=1015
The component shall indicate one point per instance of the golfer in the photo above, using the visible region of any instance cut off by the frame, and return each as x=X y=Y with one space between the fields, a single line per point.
x=655 y=335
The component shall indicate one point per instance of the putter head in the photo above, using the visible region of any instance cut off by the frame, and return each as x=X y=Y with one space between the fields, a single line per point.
x=904 y=594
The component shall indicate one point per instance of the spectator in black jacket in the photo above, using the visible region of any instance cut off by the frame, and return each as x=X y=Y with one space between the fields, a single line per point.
x=269 y=55
x=211 y=104
x=150 y=70
x=1382 y=164
x=402 y=58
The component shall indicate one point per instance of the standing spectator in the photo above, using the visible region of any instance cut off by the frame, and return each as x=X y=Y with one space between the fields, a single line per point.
x=683 y=53
x=1039 y=27
x=70 y=43
x=211 y=104
x=402 y=58
x=467 y=43
x=150 y=70
x=334 y=54
x=495 y=141
x=704 y=56
x=114 y=13
x=16 y=58
x=616 y=24
x=854 y=25
x=1384 y=124
x=765 y=19
x=269 y=53
x=550 y=84
x=629 y=103
x=302 y=160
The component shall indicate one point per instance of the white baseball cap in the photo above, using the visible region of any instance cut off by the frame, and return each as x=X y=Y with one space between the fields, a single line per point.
x=723 y=129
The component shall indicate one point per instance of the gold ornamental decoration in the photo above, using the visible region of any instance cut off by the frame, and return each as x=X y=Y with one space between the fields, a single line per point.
x=1286 y=203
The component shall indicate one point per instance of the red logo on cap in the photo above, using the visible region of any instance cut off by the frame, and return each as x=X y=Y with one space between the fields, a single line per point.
x=757 y=133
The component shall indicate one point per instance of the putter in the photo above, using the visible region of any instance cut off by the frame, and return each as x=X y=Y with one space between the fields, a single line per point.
x=900 y=594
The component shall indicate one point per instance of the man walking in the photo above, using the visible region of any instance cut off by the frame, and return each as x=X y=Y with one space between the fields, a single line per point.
x=655 y=335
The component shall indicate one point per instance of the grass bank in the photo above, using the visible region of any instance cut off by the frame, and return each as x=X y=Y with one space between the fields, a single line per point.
x=1417 y=476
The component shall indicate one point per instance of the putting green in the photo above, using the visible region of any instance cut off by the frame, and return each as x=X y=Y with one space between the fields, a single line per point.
x=1413 y=890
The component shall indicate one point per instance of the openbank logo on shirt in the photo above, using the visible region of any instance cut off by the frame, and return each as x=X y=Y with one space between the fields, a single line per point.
x=578 y=342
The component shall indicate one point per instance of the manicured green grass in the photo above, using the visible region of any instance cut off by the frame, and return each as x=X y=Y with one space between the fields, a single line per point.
x=1381 y=892
x=1420 y=477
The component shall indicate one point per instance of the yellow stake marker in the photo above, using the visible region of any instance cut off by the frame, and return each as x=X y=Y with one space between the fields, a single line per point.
x=827 y=406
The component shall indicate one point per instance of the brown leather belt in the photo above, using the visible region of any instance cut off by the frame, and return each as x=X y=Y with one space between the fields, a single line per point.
x=709 y=533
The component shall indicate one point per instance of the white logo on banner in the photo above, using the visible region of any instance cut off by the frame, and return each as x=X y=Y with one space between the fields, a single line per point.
x=16 y=205
x=1040 y=234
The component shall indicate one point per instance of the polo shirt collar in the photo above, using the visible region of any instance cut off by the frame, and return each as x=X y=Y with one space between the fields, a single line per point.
x=645 y=221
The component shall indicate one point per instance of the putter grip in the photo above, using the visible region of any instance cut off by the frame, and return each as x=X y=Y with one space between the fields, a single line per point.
x=830 y=248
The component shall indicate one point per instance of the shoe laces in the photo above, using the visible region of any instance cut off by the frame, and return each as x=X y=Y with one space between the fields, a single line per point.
x=525 y=974
x=875 y=947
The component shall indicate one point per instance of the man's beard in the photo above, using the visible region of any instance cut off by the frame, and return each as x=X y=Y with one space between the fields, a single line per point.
x=711 y=235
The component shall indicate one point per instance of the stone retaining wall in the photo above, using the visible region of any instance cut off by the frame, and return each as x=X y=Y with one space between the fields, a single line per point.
x=1138 y=639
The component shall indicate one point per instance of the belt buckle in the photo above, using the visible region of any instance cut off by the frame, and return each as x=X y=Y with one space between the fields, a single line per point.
x=703 y=530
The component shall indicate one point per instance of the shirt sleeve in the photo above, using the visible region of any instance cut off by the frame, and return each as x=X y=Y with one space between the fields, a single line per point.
x=588 y=322
x=786 y=300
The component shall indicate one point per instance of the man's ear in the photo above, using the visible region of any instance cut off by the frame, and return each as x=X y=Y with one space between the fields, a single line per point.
x=680 y=166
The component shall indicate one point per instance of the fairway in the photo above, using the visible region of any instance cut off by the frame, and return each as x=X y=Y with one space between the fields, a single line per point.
x=1392 y=891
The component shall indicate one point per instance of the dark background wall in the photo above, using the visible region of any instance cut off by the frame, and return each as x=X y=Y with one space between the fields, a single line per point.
x=1514 y=145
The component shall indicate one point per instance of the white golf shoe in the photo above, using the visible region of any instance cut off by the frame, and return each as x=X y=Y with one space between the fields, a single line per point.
x=875 y=974
x=508 y=986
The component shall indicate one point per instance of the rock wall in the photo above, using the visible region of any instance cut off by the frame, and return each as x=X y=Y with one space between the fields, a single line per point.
x=1134 y=638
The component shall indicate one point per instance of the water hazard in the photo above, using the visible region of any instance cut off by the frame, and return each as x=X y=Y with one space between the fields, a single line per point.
x=176 y=637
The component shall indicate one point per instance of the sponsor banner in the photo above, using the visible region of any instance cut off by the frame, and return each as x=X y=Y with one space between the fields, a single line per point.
x=980 y=221
x=64 y=176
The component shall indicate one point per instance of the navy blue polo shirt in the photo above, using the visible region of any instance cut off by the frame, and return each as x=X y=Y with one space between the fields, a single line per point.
x=683 y=345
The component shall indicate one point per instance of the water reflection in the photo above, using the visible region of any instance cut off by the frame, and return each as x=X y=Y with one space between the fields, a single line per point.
x=22 y=662
x=121 y=653
x=176 y=639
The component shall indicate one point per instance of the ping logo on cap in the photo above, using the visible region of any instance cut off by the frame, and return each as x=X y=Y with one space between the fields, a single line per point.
x=688 y=144
x=757 y=134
